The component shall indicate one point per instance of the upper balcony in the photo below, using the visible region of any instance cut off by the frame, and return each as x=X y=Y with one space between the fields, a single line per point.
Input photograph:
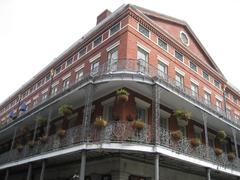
x=121 y=134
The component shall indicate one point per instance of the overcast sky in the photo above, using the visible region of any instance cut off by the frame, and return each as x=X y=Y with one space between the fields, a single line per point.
x=34 y=32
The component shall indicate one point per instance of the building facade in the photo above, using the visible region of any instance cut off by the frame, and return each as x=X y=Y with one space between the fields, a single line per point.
x=137 y=97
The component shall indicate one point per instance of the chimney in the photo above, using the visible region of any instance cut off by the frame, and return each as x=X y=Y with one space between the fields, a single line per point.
x=103 y=15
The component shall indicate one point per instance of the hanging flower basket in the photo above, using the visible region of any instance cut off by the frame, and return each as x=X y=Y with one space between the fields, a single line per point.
x=65 y=110
x=221 y=135
x=218 y=151
x=61 y=133
x=195 y=142
x=100 y=122
x=43 y=139
x=31 y=143
x=19 y=147
x=176 y=135
x=181 y=114
x=122 y=95
x=138 y=124
x=231 y=156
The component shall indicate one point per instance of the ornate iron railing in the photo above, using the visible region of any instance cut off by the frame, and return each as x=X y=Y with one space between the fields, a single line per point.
x=133 y=68
x=120 y=131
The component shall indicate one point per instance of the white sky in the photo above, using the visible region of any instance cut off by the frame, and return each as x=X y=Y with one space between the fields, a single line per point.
x=34 y=32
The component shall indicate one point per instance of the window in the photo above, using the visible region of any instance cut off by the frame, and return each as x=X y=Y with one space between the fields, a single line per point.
x=162 y=44
x=44 y=96
x=219 y=105
x=142 y=114
x=58 y=70
x=97 y=41
x=207 y=98
x=163 y=69
x=114 y=29
x=179 y=80
x=54 y=90
x=217 y=83
x=205 y=75
x=198 y=132
x=112 y=59
x=178 y=55
x=48 y=77
x=94 y=67
x=184 y=130
x=79 y=75
x=66 y=83
x=164 y=123
x=194 y=89
x=142 y=57
x=211 y=140
x=108 y=110
x=184 y=38
x=228 y=112
x=82 y=52
x=35 y=101
x=69 y=62
x=235 y=99
x=193 y=66
x=144 y=30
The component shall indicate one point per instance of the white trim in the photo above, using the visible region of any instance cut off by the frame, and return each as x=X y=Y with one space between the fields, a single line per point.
x=28 y=102
x=164 y=42
x=79 y=67
x=194 y=81
x=109 y=48
x=142 y=33
x=66 y=76
x=143 y=47
x=163 y=60
x=55 y=83
x=44 y=91
x=35 y=97
x=219 y=97
x=108 y=101
x=109 y=35
x=179 y=71
x=207 y=90
x=142 y=103
x=197 y=129
x=182 y=32
x=95 y=58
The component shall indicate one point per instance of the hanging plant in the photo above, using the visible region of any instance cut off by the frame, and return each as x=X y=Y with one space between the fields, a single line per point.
x=31 y=143
x=42 y=121
x=177 y=135
x=181 y=114
x=122 y=95
x=221 y=135
x=195 y=142
x=100 y=122
x=43 y=139
x=218 y=151
x=138 y=124
x=19 y=147
x=231 y=156
x=65 y=110
x=61 y=132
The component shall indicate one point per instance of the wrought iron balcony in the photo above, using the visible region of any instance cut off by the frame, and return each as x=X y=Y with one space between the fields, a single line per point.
x=130 y=67
x=119 y=132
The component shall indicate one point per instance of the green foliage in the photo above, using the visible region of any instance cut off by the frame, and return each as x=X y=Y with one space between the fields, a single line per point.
x=179 y=113
x=122 y=92
x=65 y=110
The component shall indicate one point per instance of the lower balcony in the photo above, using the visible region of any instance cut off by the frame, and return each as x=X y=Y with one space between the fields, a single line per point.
x=119 y=133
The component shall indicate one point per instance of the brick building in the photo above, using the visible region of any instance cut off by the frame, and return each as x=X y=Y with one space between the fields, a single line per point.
x=137 y=97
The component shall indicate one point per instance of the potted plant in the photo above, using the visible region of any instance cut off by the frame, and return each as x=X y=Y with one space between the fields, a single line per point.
x=61 y=132
x=43 y=139
x=31 y=143
x=122 y=95
x=138 y=124
x=221 y=135
x=181 y=114
x=42 y=121
x=218 y=151
x=177 y=135
x=195 y=142
x=65 y=110
x=19 y=147
x=231 y=156
x=100 y=122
